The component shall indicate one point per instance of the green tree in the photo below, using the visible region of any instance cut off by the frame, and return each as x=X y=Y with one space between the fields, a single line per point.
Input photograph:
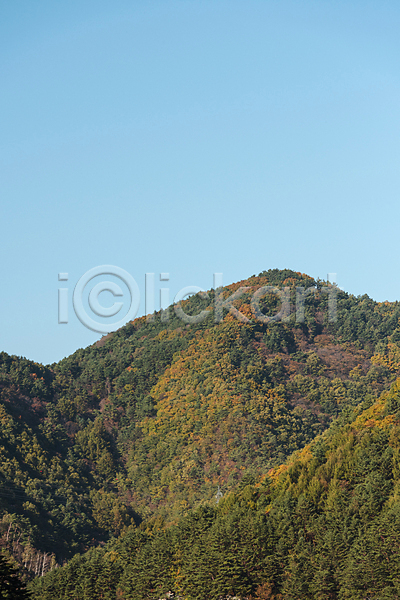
x=11 y=587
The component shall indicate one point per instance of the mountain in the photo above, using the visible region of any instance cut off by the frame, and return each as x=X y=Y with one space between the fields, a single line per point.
x=324 y=525
x=134 y=432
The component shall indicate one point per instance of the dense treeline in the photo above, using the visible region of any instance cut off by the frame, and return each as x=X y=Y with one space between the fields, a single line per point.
x=48 y=487
x=11 y=587
x=147 y=423
x=323 y=526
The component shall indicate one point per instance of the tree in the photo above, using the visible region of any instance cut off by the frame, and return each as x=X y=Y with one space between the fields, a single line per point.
x=11 y=587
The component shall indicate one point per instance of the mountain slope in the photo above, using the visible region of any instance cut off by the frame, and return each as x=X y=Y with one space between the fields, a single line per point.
x=325 y=525
x=322 y=526
x=148 y=422
x=50 y=497
x=194 y=406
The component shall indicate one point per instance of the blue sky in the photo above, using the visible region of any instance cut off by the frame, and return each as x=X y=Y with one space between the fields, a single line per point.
x=192 y=138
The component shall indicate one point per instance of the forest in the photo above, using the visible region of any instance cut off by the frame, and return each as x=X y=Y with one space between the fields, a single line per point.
x=256 y=459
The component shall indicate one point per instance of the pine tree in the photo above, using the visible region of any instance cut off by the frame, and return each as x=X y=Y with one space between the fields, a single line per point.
x=11 y=587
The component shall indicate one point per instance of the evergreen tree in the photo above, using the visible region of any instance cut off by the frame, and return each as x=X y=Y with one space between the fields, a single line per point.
x=11 y=587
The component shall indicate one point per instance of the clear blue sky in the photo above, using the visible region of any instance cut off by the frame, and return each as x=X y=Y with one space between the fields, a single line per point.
x=193 y=137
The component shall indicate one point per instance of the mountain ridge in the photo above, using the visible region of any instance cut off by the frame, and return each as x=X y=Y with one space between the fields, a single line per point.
x=145 y=424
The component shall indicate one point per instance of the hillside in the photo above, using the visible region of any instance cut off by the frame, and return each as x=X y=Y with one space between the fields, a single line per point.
x=191 y=407
x=325 y=525
x=146 y=424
